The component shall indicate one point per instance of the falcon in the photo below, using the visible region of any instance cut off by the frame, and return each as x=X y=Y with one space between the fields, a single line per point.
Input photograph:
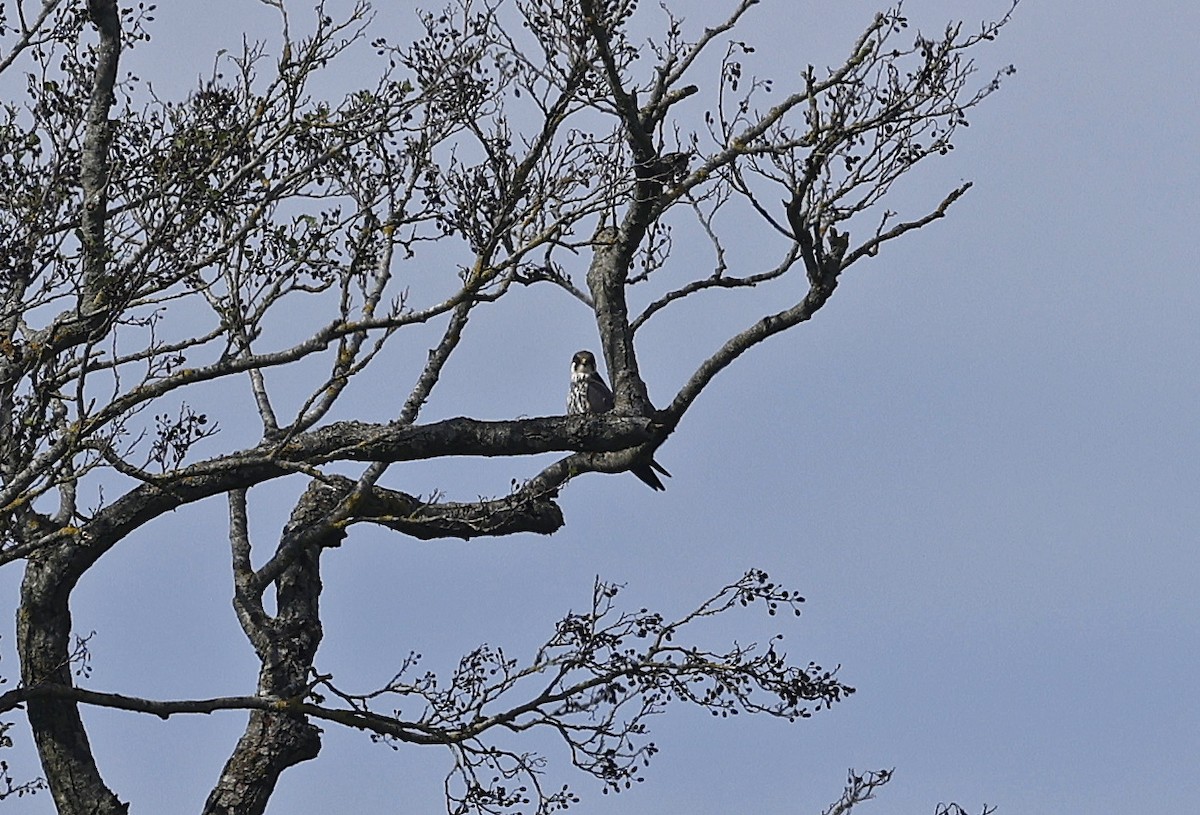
x=589 y=393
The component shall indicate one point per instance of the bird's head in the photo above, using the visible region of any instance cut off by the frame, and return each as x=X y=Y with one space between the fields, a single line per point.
x=584 y=362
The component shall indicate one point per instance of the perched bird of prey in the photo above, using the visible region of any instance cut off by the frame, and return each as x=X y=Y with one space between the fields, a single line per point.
x=589 y=393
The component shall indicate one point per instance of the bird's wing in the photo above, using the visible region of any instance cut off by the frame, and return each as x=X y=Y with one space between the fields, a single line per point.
x=600 y=398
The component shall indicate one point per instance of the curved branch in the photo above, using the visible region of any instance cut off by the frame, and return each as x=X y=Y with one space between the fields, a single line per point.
x=716 y=281
x=740 y=343
x=28 y=33
x=680 y=67
x=871 y=247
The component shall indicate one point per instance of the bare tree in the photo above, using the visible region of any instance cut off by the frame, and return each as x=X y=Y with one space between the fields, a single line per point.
x=255 y=232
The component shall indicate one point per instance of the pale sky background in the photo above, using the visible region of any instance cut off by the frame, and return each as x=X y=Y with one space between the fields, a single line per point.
x=978 y=463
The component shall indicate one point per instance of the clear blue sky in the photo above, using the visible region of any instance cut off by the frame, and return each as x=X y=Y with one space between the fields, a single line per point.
x=979 y=464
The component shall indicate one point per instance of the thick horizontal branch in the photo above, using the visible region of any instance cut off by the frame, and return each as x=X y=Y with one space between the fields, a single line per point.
x=358 y=441
x=494 y=518
x=348 y=441
x=428 y=520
